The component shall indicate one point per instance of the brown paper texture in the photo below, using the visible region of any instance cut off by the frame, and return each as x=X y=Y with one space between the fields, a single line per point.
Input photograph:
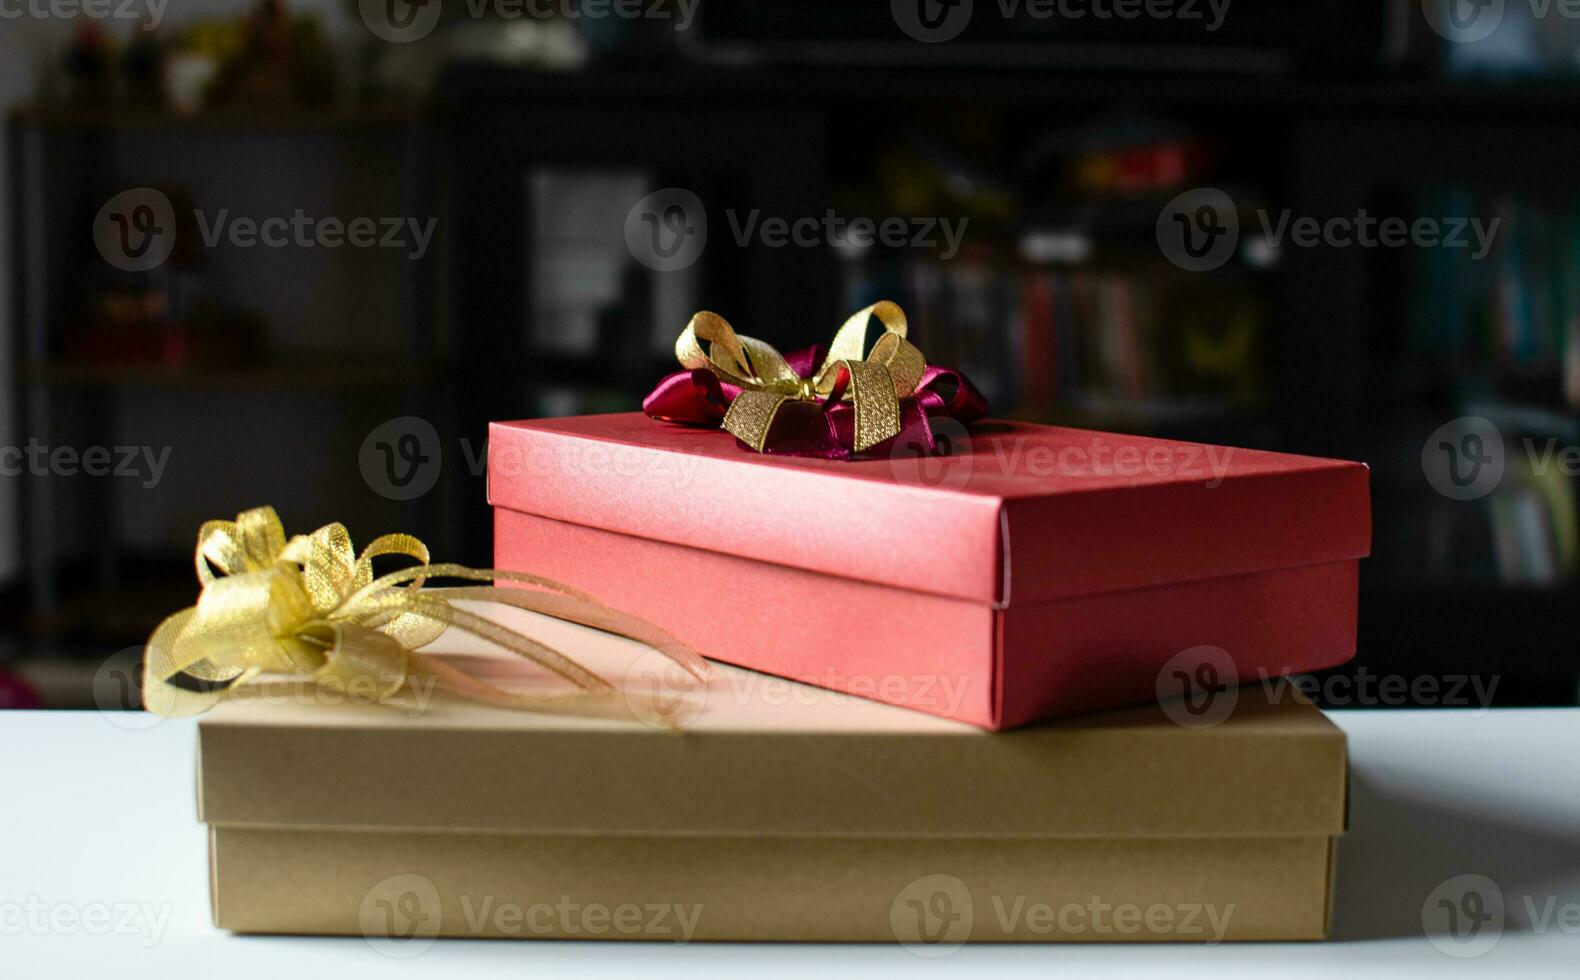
x=781 y=811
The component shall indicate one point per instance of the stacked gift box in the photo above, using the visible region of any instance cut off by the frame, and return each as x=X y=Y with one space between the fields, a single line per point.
x=1015 y=684
x=1024 y=585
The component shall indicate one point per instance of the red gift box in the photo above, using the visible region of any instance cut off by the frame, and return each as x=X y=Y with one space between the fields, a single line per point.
x=1039 y=571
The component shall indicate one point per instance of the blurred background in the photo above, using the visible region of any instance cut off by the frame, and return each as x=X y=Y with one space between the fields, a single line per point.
x=302 y=251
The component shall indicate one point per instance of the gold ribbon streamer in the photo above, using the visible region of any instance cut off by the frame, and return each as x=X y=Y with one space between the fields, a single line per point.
x=874 y=384
x=310 y=605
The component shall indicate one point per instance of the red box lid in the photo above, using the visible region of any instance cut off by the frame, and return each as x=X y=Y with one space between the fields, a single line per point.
x=1030 y=513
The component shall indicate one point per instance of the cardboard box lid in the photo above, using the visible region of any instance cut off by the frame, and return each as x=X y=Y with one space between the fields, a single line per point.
x=759 y=756
x=1031 y=512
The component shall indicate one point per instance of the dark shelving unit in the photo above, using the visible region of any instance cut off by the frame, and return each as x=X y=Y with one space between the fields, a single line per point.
x=64 y=165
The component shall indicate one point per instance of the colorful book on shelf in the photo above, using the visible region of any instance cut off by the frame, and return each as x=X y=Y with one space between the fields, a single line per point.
x=1040 y=338
x=1511 y=312
x=1533 y=519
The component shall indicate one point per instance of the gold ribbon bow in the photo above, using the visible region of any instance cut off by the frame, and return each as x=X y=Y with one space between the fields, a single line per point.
x=874 y=384
x=311 y=606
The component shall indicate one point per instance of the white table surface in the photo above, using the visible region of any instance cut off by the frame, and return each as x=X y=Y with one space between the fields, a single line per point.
x=101 y=845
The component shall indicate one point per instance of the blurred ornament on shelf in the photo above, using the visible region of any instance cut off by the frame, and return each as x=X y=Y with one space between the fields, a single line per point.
x=188 y=76
x=90 y=66
x=409 y=71
x=281 y=58
x=143 y=69
x=194 y=64
x=136 y=328
x=268 y=60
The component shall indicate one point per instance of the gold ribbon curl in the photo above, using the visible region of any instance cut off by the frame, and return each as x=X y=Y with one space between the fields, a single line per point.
x=874 y=384
x=311 y=606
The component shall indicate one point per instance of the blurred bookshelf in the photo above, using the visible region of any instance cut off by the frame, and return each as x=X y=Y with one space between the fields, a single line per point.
x=1496 y=339
x=214 y=350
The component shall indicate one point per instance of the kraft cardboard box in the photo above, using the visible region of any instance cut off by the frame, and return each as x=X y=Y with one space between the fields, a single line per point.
x=779 y=812
x=1044 y=571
